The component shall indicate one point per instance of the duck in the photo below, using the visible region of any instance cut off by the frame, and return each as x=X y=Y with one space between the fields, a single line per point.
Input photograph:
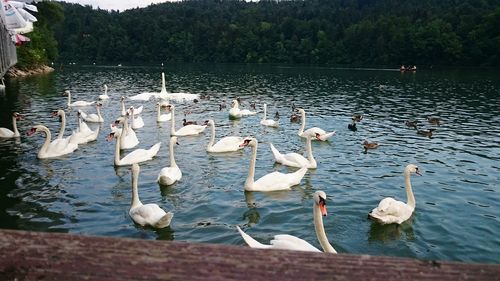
x=52 y=149
x=105 y=95
x=352 y=126
x=169 y=175
x=128 y=137
x=7 y=133
x=357 y=117
x=297 y=160
x=391 y=211
x=290 y=242
x=76 y=103
x=185 y=122
x=136 y=122
x=426 y=133
x=162 y=117
x=411 y=123
x=369 y=145
x=93 y=118
x=146 y=214
x=324 y=136
x=434 y=120
x=189 y=130
x=226 y=144
x=268 y=122
x=136 y=156
x=270 y=182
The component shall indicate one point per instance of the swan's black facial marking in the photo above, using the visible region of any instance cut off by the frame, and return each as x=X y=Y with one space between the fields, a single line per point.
x=318 y=136
x=245 y=143
x=417 y=171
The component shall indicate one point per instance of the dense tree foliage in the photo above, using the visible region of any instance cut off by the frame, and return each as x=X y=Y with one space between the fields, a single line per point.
x=43 y=46
x=353 y=32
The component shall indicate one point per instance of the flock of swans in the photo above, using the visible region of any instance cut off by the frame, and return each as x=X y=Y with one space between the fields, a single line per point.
x=122 y=129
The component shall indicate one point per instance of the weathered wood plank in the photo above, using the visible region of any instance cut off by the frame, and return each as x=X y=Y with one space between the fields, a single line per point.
x=56 y=256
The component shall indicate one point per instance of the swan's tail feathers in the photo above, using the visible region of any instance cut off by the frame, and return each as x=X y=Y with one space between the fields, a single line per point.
x=165 y=220
x=327 y=136
x=252 y=243
x=154 y=149
x=300 y=173
x=276 y=153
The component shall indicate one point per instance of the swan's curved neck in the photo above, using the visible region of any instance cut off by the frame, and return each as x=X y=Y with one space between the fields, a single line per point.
x=99 y=112
x=320 y=230
x=117 y=147
x=265 y=112
x=172 y=127
x=303 y=123
x=124 y=112
x=212 y=136
x=14 y=126
x=69 y=99
x=158 y=113
x=132 y=118
x=63 y=126
x=172 y=157
x=45 y=146
x=251 y=172
x=310 y=156
x=163 y=87
x=135 y=193
x=409 y=192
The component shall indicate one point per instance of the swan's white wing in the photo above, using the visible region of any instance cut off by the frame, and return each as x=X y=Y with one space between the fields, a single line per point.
x=391 y=211
x=190 y=130
x=6 y=133
x=169 y=175
x=279 y=181
x=245 y=112
x=252 y=242
x=289 y=159
x=235 y=112
x=290 y=242
x=230 y=143
x=148 y=214
x=269 y=123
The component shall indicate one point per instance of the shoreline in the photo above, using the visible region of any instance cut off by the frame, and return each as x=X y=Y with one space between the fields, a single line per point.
x=14 y=72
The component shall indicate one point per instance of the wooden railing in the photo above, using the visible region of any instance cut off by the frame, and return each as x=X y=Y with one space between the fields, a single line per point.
x=56 y=256
x=8 y=55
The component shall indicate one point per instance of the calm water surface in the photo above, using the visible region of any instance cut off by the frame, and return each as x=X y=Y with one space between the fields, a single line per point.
x=457 y=215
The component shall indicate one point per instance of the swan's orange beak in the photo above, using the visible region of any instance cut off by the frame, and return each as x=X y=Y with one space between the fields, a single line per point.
x=31 y=132
x=110 y=137
x=322 y=207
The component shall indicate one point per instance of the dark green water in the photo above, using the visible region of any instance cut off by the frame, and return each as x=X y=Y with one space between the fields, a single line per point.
x=457 y=213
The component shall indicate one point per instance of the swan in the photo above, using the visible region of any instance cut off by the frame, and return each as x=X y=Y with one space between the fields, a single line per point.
x=323 y=135
x=76 y=103
x=137 y=111
x=268 y=122
x=136 y=156
x=294 y=159
x=61 y=142
x=180 y=97
x=169 y=175
x=226 y=144
x=289 y=242
x=105 y=95
x=54 y=148
x=136 y=122
x=93 y=118
x=392 y=211
x=7 y=133
x=128 y=138
x=122 y=103
x=149 y=214
x=83 y=134
x=188 y=130
x=141 y=97
x=272 y=181
x=235 y=112
x=162 y=117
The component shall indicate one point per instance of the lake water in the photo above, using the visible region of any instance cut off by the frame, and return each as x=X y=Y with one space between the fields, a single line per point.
x=457 y=215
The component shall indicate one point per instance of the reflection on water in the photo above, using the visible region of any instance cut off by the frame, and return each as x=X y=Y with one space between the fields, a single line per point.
x=457 y=198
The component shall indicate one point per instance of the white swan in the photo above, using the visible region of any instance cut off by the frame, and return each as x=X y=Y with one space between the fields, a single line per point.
x=296 y=160
x=136 y=156
x=180 y=97
x=141 y=97
x=149 y=214
x=272 y=181
x=76 y=103
x=128 y=138
x=136 y=122
x=105 y=95
x=235 y=112
x=83 y=134
x=51 y=149
x=169 y=175
x=188 y=130
x=137 y=111
x=268 y=122
x=61 y=142
x=289 y=242
x=226 y=144
x=93 y=118
x=323 y=135
x=7 y=133
x=392 y=211
x=162 y=117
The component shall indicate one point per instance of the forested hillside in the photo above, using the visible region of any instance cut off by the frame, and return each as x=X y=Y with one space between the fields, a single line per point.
x=347 y=32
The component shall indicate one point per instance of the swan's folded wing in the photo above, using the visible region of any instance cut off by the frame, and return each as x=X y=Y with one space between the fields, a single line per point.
x=290 y=242
x=229 y=142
